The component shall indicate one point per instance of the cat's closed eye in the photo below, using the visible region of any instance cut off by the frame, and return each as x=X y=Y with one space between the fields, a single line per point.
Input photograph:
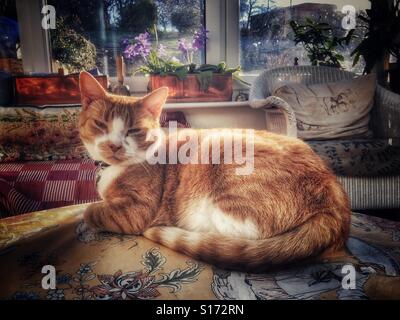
x=133 y=131
x=100 y=125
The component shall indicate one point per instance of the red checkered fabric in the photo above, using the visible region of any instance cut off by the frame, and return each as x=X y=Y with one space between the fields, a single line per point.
x=33 y=186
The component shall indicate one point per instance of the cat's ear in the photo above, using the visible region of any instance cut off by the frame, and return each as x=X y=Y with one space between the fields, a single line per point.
x=154 y=102
x=90 y=88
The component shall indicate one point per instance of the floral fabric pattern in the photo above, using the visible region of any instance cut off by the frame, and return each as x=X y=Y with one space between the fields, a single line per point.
x=105 y=266
x=362 y=158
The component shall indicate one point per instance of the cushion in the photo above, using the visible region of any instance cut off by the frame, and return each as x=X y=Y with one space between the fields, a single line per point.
x=362 y=158
x=30 y=133
x=106 y=266
x=331 y=110
x=31 y=186
x=49 y=133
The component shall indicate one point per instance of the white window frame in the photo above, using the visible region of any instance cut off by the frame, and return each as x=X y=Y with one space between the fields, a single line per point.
x=221 y=19
x=36 y=56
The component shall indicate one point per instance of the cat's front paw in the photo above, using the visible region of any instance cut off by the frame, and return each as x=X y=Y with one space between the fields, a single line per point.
x=92 y=219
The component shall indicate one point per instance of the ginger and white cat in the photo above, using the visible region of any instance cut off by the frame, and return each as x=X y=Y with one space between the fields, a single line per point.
x=291 y=207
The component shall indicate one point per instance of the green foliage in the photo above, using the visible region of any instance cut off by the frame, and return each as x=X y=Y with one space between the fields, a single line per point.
x=165 y=65
x=82 y=16
x=185 y=19
x=138 y=16
x=168 y=66
x=383 y=33
x=204 y=78
x=72 y=49
x=320 y=43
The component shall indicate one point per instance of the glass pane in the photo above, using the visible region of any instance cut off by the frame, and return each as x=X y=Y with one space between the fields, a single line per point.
x=10 y=48
x=266 y=39
x=90 y=33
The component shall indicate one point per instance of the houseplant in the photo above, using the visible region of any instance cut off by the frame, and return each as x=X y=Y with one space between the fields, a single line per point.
x=187 y=81
x=382 y=38
x=319 y=42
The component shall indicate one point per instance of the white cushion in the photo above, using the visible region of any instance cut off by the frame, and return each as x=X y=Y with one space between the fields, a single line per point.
x=331 y=110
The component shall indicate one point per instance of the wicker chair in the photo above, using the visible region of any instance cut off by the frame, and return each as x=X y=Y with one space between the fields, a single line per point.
x=371 y=192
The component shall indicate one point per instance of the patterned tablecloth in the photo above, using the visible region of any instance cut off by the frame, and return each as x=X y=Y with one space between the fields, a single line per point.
x=107 y=266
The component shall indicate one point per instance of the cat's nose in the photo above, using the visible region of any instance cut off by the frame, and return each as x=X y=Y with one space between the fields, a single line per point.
x=114 y=147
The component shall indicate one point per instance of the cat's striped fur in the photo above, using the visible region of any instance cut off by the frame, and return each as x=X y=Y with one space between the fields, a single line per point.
x=290 y=208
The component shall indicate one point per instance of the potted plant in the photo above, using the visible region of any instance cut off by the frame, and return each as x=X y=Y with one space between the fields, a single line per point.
x=382 y=38
x=320 y=43
x=187 y=82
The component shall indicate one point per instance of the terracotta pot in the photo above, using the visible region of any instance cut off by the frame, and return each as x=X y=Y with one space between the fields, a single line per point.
x=50 y=89
x=188 y=90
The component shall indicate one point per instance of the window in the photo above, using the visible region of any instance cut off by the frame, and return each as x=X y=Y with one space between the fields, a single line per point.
x=266 y=37
x=100 y=29
x=10 y=48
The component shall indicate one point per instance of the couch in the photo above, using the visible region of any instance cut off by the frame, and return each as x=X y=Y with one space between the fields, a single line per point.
x=369 y=169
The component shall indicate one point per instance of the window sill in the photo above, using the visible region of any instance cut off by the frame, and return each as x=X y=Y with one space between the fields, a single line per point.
x=205 y=105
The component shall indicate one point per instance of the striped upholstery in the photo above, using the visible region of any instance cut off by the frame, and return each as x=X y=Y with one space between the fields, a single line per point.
x=372 y=192
x=364 y=193
x=34 y=186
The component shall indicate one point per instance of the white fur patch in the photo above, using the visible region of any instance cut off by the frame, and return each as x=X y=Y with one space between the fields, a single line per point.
x=115 y=136
x=172 y=235
x=107 y=177
x=117 y=133
x=93 y=151
x=203 y=215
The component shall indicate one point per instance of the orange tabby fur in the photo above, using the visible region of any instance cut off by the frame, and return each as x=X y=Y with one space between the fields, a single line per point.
x=290 y=208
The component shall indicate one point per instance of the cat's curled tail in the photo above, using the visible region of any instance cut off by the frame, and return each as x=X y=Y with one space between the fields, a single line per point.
x=316 y=235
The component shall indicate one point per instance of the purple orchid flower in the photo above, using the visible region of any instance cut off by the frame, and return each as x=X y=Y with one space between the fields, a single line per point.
x=184 y=47
x=139 y=48
x=200 y=38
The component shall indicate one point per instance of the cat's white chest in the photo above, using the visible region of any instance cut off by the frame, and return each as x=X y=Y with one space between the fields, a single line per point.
x=107 y=177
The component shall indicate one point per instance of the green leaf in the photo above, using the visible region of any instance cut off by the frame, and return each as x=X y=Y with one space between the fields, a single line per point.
x=204 y=78
x=181 y=73
x=175 y=278
x=356 y=58
x=153 y=260
x=221 y=67
x=339 y=57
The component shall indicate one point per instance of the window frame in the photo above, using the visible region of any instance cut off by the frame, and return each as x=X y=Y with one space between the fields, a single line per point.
x=36 y=55
x=221 y=19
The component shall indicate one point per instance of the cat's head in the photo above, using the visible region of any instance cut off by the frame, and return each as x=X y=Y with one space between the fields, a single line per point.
x=113 y=128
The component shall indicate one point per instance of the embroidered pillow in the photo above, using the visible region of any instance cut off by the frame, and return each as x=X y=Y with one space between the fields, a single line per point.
x=30 y=134
x=331 y=110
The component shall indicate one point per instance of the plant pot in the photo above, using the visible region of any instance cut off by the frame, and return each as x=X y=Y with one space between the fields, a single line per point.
x=189 y=89
x=50 y=89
